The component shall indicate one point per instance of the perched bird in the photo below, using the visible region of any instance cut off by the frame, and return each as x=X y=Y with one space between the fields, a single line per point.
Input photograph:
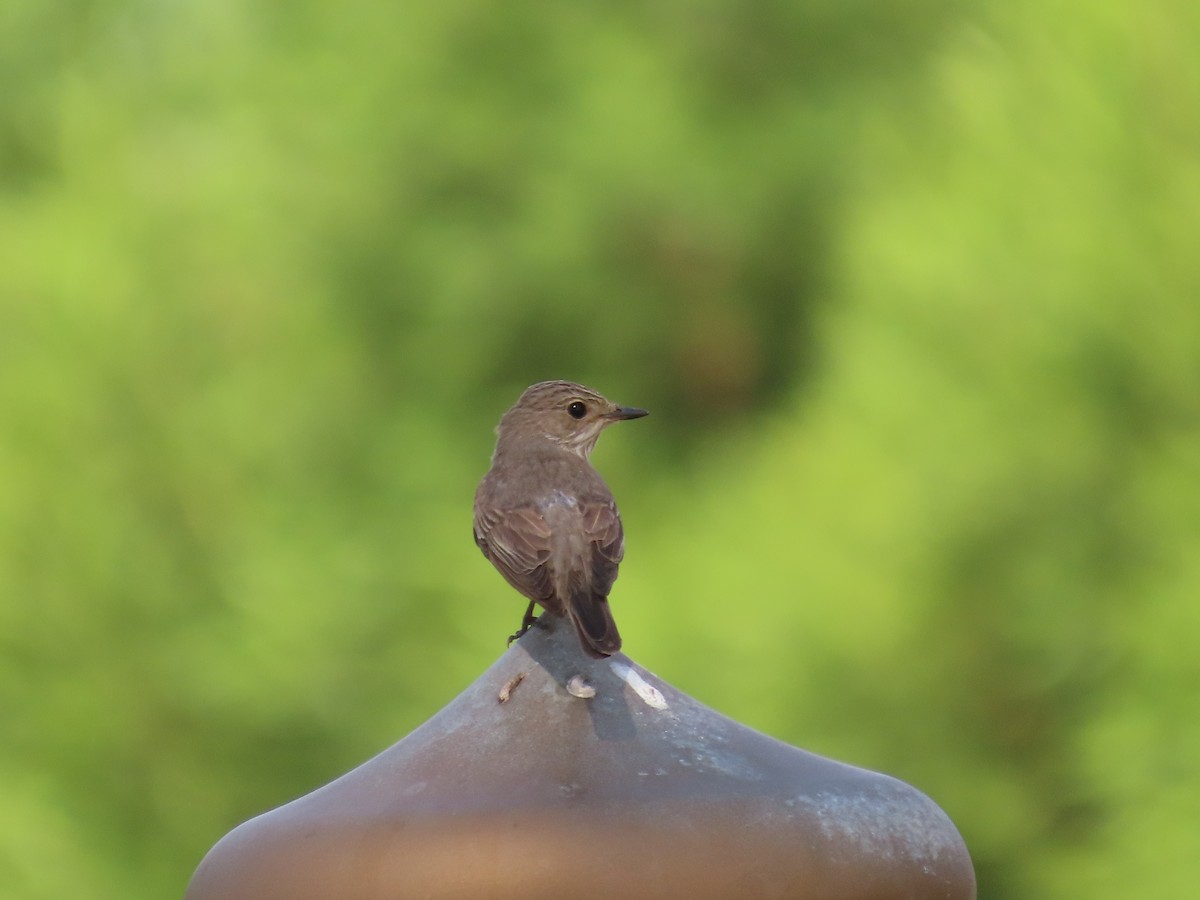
x=546 y=519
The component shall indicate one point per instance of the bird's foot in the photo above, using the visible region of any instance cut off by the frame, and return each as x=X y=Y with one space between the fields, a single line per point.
x=526 y=623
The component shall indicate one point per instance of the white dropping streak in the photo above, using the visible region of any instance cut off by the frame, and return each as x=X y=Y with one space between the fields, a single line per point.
x=579 y=687
x=650 y=695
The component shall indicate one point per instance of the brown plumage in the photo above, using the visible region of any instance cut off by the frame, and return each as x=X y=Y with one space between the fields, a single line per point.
x=545 y=518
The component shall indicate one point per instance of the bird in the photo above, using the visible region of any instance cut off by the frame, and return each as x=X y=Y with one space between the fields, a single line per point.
x=544 y=517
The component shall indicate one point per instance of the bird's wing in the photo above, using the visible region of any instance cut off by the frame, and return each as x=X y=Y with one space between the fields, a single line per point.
x=602 y=524
x=517 y=542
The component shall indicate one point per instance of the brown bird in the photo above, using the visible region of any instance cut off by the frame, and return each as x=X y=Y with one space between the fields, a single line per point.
x=546 y=519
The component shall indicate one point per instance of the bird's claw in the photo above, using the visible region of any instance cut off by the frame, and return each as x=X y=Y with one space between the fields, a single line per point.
x=526 y=623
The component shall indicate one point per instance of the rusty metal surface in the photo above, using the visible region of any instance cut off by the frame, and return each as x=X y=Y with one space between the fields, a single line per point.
x=555 y=775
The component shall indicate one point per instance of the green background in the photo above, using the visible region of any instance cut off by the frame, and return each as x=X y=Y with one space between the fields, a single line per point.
x=911 y=288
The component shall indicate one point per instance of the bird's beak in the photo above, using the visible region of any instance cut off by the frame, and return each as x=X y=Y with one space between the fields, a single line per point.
x=626 y=412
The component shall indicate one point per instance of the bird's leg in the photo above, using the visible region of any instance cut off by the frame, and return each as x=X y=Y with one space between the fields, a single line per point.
x=526 y=622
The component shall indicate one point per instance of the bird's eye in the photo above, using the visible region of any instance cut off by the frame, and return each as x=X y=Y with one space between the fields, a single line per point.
x=577 y=410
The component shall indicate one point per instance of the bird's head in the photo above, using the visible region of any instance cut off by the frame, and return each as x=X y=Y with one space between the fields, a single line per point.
x=565 y=413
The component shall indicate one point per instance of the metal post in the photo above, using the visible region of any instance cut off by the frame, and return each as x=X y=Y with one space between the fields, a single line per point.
x=554 y=775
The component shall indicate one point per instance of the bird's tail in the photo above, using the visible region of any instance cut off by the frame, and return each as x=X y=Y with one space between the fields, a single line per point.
x=594 y=624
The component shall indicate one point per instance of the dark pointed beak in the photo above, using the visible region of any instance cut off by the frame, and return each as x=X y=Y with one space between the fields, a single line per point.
x=627 y=412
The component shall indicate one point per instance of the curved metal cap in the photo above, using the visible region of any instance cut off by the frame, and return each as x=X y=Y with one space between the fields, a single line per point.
x=554 y=775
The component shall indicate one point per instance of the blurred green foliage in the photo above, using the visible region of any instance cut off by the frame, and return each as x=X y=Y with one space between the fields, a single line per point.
x=910 y=287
